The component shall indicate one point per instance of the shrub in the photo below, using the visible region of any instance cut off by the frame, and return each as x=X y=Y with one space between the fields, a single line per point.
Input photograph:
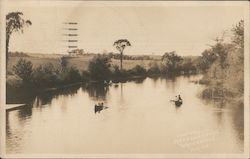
x=137 y=71
x=73 y=75
x=23 y=69
x=45 y=75
x=85 y=76
x=154 y=69
x=99 y=68
x=171 y=62
x=64 y=62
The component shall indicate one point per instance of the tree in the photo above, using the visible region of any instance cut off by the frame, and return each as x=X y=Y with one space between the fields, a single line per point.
x=238 y=34
x=138 y=71
x=208 y=57
x=187 y=65
x=120 y=46
x=64 y=63
x=99 y=68
x=23 y=69
x=225 y=69
x=45 y=75
x=171 y=61
x=14 y=23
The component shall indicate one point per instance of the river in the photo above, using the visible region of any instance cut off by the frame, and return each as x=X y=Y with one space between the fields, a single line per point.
x=140 y=119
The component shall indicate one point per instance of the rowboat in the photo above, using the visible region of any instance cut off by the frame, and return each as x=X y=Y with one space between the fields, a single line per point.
x=178 y=103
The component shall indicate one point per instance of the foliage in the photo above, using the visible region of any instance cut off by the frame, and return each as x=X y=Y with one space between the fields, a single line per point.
x=234 y=72
x=171 y=62
x=45 y=75
x=187 y=65
x=120 y=46
x=225 y=70
x=64 y=63
x=238 y=34
x=208 y=57
x=117 y=73
x=74 y=75
x=14 y=23
x=23 y=69
x=85 y=76
x=138 y=71
x=154 y=69
x=99 y=68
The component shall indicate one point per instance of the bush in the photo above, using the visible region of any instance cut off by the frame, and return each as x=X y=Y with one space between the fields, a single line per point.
x=226 y=70
x=64 y=62
x=154 y=69
x=171 y=63
x=187 y=66
x=119 y=74
x=137 y=71
x=85 y=76
x=73 y=75
x=23 y=69
x=99 y=68
x=45 y=75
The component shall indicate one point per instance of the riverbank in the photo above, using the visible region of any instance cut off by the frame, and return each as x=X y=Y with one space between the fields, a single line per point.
x=28 y=76
x=19 y=90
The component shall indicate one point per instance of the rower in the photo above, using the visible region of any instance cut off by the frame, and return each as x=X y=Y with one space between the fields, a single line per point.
x=179 y=98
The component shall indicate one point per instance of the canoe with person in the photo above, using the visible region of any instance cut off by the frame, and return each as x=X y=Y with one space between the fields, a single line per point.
x=99 y=107
x=178 y=101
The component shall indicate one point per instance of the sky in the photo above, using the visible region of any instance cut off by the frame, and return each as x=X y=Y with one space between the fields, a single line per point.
x=151 y=27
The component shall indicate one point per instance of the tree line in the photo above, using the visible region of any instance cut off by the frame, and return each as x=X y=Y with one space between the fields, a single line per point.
x=223 y=63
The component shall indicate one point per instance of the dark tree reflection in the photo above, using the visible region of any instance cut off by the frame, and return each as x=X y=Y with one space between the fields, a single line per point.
x=139 y=80
x=97 y=91
x=238 y=119
x=46 y=98
x=32 y=100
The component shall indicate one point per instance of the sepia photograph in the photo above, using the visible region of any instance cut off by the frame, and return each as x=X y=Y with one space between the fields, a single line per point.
x=124 y=79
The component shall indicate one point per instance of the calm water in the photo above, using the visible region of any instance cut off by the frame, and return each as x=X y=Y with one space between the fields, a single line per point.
x=140 y=119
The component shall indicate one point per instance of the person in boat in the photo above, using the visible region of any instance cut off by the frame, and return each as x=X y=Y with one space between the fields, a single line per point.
x=179 y=98
x=178 y=102
x=98 y=108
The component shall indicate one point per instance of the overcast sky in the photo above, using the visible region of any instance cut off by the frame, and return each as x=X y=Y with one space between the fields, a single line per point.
x=151 y=27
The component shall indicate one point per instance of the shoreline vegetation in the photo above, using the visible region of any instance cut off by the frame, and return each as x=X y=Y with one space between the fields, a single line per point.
x=222 y=65
x=224 y=77
x=28 y=76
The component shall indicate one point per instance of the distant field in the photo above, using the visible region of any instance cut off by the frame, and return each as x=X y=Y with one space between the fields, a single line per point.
x=80 y=62
x=128 y=64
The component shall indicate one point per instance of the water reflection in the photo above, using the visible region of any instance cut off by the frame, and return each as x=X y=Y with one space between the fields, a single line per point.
x=96 y=91
x=139 y=80
x=140 y=119
x=237 y=120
